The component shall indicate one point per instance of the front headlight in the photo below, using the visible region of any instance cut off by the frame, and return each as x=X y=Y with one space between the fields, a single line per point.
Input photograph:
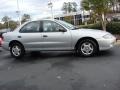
x=108 y=36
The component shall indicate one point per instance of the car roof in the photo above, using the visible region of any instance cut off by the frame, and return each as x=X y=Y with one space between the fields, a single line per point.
x=42 y=20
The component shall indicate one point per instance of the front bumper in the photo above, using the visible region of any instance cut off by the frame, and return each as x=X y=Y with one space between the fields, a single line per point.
x=105 y=44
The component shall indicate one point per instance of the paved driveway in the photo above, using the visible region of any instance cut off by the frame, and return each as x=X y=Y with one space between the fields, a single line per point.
x=61 y=71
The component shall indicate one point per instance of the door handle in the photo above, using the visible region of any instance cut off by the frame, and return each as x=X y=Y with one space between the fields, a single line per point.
x=19 y=37
x=45 y=36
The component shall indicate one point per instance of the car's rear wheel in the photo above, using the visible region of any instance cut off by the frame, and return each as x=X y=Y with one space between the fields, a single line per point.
x=87 y=48
x=17 y=50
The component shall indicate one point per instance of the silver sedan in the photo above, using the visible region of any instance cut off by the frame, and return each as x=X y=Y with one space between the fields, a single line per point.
x=52 y=35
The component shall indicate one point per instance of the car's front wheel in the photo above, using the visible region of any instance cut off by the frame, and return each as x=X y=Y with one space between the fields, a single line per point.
x=87 y=47
x=17 y=50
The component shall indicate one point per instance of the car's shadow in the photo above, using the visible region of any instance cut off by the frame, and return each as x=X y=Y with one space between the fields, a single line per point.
x=40 y=56
x=57 y=59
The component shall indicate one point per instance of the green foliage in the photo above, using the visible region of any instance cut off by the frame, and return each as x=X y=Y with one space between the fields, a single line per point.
x=92 y=26
x=9 y=23
x=99 y=7
x=69 y=7
x=112 y=27
x=6 y=19
x=68 y=19
x=86 y=5
x=12 y=25
x=74 y=9
x=25 y=18
x=1 y=26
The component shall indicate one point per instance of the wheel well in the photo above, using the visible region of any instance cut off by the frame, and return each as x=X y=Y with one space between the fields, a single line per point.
x=15 y=41
x=90 y=38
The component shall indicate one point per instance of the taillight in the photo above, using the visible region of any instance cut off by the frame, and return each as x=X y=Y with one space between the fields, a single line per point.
x=1 y=40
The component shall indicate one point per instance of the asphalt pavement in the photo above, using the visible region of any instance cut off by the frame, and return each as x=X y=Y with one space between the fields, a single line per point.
x=60 y=71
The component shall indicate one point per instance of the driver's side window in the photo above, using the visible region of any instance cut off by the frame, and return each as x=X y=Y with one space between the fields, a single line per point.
x=50 y=26
x=31 y=27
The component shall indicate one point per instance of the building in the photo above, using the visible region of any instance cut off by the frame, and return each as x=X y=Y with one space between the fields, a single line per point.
x=75 y=18
x=113 y=16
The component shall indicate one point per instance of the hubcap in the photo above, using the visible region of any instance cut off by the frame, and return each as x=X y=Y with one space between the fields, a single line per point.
x=16 y=50
x=87 y=48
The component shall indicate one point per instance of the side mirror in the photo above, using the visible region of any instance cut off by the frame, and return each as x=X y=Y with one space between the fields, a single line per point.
x=62 y=30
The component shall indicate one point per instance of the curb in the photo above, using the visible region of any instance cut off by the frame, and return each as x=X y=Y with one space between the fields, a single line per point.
x=118 y=42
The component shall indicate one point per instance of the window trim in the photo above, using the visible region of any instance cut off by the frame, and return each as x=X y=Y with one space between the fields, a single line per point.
x=20 y=31
x=42 y=22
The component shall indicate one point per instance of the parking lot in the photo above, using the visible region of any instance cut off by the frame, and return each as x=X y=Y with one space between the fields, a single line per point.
x=60 y=71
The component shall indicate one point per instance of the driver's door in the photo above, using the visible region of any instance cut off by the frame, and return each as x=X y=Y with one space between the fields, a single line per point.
x=53 y=38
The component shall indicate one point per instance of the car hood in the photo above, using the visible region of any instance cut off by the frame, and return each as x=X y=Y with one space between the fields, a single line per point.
x=89 y=33
x=93 y=31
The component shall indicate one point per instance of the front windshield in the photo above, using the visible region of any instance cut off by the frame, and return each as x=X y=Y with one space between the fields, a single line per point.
x=67 y=25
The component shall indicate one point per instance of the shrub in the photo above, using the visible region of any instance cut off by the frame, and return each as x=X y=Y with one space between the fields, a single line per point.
x=92 y=26
x=112 y=27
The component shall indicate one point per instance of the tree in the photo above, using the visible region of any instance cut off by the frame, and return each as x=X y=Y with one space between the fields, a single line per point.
x=12 y=24
x=100 y=8
x=74 y=6
x=25 y=18
x=69 y=7
x=65 y=8
x=6 y=19
x=86 y=6
x=8 y=23
x=1 y=25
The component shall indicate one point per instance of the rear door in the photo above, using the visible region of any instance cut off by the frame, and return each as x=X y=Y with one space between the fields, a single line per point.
x=30 y=35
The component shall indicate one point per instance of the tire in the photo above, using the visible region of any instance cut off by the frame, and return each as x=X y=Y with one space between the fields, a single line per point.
x=87 y=48
x=17 y=50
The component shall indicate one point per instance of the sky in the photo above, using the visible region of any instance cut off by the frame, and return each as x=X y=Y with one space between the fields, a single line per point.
x=36 y=8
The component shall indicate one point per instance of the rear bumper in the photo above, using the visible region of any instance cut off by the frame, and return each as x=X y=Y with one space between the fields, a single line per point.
x=105 y=44
x=0 y=42
x=0 y=45
x=5 y=45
